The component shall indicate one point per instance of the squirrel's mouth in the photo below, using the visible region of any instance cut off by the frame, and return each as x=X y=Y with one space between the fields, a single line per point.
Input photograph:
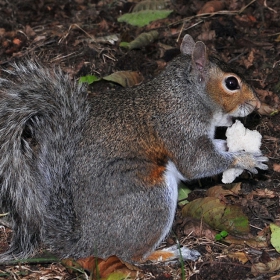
x=246 y=108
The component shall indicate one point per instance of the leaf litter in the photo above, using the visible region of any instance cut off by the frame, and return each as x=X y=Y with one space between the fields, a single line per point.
x=84 y=37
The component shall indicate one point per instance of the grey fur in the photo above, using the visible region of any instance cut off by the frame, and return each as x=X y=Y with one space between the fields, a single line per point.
x=76 y=169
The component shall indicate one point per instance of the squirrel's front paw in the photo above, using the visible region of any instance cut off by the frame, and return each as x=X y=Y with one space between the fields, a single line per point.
x=244 y=160
x=250 y=161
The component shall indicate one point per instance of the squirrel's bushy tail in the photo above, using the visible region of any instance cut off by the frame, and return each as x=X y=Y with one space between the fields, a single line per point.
x=41 y=118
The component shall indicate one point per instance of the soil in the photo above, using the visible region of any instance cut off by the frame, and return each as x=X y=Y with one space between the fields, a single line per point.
x=72 y=34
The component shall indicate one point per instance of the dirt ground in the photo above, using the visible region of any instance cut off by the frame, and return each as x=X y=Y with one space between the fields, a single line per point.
x=72 y=34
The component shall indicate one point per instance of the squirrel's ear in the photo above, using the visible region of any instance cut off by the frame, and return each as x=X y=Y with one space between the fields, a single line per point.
x=187 y=45
x=200 y=58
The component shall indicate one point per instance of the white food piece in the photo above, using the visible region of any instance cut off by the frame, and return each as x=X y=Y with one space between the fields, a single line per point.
x=230 y=174
x=240 y=138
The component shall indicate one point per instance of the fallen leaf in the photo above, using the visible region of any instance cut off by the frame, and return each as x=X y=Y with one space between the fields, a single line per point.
x=264 y=193
x=276 y=167
x=265 y=257
x=252 y=18
x=269 y=267
x=99 y=268
x=207 y=35
x=197 y=228
x=103 y=24
x=143 y=18
x=219 y=190
x=183 y=193
x=240 y=256
x=111 y=39
x=211 y=7
x=2 y=31
x=250 y=59
x=125 y=78
x=39 y=38
x=29 y=31
x=257 y=242
x=267 y=110
x=268 y=97
x=161 y=64
x=218 y=215
x=89 y=79
x=275 y=236
x=150 y=5
x=17 y=41
x=144 y=39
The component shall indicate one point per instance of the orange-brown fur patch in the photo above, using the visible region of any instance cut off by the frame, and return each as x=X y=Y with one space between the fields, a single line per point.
x=156 y=175
x=229 y=101
x=160 y=255
x=158 y=157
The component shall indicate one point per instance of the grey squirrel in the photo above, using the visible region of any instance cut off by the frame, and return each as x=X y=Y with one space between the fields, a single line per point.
x=97 y=174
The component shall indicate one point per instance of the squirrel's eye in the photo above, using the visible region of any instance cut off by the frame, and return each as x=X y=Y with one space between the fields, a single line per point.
x=232 y=83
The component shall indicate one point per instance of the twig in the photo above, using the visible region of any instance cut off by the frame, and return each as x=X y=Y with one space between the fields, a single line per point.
x=208 y=15
x=269 y=7
x=70 y=28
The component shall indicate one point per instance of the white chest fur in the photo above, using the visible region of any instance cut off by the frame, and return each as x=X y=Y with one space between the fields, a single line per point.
x=172 y=177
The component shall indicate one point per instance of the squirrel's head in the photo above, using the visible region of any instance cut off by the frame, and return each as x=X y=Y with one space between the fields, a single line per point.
x=225 y=88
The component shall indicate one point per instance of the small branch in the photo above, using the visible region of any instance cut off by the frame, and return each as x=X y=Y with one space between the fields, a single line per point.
x=208 y=15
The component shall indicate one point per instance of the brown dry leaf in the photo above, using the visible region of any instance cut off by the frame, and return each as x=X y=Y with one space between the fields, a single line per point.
x=264 y=233
x=252 y=18
x=211 y=7
x=258 y=207
x=245 y=19
x=112 y=265
x=39 y=38
x=125 y=78
x=29 y=31
x=250 y=59
x=267 y=110
x=163 y=48
x=198 y=229
x=260 y=268
x=103 y=25
x=5 y=44
x=2 y=31
x=267 y=96
x=219 y=191
x=161 y=64
x=240 y=256
x=17 y=41
x=275 y=277
x=99 y=267
x=264 y=192
x=207 y=35
x=257 y=242
x=234 y=5
x=71 y=265
x=276 y=167
x=150 y=5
